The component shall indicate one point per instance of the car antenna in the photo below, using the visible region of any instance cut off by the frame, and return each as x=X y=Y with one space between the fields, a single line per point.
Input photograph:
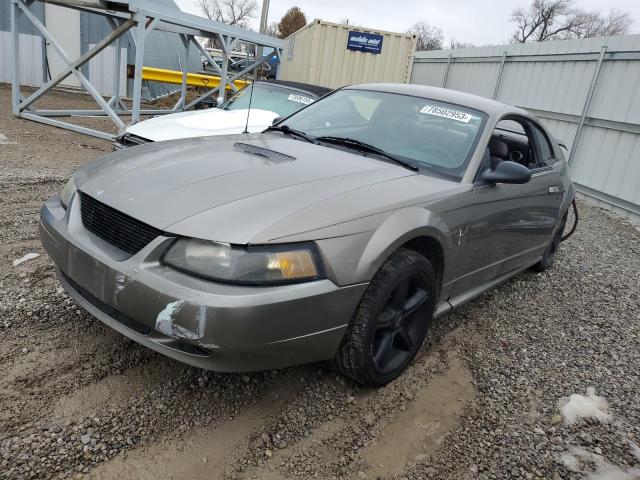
x=246 y=125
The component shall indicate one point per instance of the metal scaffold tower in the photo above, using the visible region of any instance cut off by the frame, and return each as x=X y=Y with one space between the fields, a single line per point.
x=135 y=18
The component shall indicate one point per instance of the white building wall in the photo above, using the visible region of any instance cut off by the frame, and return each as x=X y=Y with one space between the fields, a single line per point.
x=30 y=59
x=64 y=25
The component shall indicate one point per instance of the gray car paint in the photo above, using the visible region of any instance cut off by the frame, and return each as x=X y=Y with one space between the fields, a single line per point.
x=358 y=210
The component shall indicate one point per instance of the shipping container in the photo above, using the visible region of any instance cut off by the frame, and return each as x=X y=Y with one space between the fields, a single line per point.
x=334 y=55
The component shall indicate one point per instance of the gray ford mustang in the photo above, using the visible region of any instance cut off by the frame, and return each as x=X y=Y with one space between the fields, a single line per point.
x=339 y=233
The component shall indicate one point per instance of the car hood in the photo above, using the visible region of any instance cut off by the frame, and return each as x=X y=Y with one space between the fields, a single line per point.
x=198 y=123
x=213 y=188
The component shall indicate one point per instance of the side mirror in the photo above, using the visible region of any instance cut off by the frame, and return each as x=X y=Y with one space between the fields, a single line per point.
x=275 y=120
x=507 y=172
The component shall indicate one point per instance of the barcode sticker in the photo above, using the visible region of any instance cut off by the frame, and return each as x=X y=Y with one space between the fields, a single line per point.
x=300 y=99
x=446 y=113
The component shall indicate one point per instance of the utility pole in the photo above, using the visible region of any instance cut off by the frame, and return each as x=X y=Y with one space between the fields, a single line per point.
x=264 y=16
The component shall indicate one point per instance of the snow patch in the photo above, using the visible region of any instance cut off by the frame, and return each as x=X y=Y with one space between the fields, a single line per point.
x=26 y=258
x=5 y=141
x=578 y=406
x=164 y=320
x=600 y=467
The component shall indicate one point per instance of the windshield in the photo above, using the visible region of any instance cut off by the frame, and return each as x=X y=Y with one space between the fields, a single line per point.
x=277 y=99
x=437 y=136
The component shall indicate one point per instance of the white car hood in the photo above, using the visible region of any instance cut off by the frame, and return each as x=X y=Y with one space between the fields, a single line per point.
x=200 y=123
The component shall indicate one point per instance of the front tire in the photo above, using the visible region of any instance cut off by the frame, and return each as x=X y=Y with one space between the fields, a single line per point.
x=391 y=321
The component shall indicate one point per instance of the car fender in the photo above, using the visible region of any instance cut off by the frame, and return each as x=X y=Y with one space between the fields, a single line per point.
x=399 y=228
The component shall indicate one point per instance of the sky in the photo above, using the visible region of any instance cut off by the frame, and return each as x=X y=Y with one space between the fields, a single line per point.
x=474 y=21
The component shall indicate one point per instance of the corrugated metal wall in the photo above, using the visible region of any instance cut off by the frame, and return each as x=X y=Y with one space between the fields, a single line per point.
x=162 y=50
x=553 y=80
x=31 y=45
x=318 y=54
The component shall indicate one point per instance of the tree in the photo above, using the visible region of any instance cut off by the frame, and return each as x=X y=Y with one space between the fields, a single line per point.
x=428 y=37
x=231 y=12
x=453 y=44
x=594 y=24
x=272 y=29
x=559 y=19
x=292 y=21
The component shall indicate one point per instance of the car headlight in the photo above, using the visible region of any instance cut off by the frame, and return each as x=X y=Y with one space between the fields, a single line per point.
x=68 y=192
x=257 y=265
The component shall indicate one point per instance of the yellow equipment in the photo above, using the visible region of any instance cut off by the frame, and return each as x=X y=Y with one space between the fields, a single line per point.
x=194 y=79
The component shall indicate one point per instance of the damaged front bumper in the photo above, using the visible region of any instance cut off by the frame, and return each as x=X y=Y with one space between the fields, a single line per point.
x=206 y=324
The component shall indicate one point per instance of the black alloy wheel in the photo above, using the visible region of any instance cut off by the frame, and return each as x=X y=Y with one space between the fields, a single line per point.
x=391 y=321
x=399 y=325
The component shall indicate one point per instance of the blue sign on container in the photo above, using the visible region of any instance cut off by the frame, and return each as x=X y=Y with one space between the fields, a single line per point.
x=364 y=42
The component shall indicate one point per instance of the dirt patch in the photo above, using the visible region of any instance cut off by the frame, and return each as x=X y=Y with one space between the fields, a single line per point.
x=107 y=392
x=417 y=431
x=203 y=453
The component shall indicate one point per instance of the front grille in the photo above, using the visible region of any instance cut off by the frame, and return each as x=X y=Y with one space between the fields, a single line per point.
x=120 y=230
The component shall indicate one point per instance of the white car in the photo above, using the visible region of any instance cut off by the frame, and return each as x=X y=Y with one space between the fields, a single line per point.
x=271 y=99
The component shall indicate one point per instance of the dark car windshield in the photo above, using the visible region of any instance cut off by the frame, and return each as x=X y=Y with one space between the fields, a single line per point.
x=278 y=99
x=437 y=136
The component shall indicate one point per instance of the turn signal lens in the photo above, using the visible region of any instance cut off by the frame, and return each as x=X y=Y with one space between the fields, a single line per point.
x=296 y=264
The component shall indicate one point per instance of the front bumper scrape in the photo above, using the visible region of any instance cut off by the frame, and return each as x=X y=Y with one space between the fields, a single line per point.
x=206 y=324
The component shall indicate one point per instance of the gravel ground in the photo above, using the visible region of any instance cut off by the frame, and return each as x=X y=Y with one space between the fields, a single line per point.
x=482 y=400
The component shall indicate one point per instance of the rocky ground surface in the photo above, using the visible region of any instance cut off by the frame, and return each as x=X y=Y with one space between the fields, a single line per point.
x=483 y=400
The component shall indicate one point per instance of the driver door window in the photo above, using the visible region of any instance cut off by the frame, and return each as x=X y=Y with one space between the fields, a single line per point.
x=511 y=141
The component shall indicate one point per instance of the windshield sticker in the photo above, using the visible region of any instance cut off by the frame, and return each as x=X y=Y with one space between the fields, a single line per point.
x=300 y=99
x=446 y=113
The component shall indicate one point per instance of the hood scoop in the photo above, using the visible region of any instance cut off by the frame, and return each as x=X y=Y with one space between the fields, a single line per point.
x=272 y=155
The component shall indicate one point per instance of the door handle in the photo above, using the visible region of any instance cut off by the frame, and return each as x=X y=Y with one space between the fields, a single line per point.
x=554 y=189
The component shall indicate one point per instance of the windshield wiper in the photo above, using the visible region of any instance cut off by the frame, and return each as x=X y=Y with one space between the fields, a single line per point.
x=290 y=131
x=365 y=147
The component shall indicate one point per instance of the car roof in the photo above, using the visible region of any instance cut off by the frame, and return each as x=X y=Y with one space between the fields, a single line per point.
x=492 y=107
x=313 y=89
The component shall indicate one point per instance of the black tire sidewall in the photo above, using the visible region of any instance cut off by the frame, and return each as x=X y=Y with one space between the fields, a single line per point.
x=401 y=264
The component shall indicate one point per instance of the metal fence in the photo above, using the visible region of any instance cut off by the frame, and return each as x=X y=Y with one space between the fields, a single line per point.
x=586 y=92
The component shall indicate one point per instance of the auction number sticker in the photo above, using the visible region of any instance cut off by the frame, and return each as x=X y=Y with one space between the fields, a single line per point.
x=446 y=113
x=300 y=99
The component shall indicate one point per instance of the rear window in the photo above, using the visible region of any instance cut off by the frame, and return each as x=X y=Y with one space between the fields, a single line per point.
x=274 y=98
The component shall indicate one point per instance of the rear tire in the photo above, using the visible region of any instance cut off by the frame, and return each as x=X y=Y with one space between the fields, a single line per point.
x=391 y=321
x=550 y=252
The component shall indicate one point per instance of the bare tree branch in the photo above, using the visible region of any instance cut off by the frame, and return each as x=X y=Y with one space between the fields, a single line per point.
x=272 y=29
x=455 y=44
x=231 y=12
x=428 y=37
x=558 y=19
